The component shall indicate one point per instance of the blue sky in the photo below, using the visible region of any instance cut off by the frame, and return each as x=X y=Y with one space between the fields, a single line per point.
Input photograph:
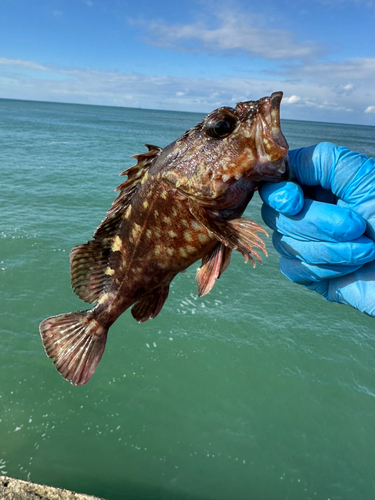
x=193 y=55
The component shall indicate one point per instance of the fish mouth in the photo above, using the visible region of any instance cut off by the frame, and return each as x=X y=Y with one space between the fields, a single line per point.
x=274 y=119
x=271 y=141
x=270 y=144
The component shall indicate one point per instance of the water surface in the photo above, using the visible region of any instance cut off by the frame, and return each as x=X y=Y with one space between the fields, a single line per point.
x=259 y=390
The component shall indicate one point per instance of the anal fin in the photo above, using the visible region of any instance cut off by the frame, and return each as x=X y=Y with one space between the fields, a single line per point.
x=213 y=266
x=237 y=234
x=150 y=305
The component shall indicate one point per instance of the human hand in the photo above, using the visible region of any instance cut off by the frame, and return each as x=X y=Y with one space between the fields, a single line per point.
x=324 y=226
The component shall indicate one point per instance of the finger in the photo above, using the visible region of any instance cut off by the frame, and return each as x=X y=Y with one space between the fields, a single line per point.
x=335 y=168
x=317 y=222
x=349 y=175
x=303 y=274
x=349 y=253
x=285 y=197
x=356 y=289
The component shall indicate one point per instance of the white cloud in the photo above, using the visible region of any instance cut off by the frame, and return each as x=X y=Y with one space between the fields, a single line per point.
x=306 y=100
x=231 y=32
x=360 y=70
x=22 y=64
x=292 y=99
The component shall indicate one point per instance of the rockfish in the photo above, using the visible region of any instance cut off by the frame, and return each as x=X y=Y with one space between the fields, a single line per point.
x=178 y=204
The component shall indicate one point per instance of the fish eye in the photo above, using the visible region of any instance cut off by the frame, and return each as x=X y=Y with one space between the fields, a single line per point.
x=220 y=124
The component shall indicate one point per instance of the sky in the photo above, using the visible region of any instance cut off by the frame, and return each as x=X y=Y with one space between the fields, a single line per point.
x=193 y=55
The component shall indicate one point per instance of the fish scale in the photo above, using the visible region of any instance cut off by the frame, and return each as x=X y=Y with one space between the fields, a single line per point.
x=178 y=205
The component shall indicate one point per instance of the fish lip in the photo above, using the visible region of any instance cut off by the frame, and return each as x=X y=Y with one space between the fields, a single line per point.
x=283 y=167
x=276 y=98
x=270 y=141
x=274 y=119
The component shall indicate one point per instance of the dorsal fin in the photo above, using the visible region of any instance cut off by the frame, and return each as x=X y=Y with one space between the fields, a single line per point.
x=88 y=262
x=110 y=224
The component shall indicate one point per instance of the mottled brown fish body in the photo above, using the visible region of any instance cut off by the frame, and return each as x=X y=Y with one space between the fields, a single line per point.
x=161 y=236
x=178 y=205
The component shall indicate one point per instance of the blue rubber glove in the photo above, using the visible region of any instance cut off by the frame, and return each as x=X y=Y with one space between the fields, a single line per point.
x=324 y=224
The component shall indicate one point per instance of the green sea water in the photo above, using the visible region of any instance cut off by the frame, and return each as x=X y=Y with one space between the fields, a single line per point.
x=259 y=390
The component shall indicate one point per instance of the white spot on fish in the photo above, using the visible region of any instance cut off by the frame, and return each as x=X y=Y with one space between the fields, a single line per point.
x=144 y=178
x=136 y=230
x=203 y=238
x=117 y=244
x=104 y=298
x=127 y=213
x=188 y=236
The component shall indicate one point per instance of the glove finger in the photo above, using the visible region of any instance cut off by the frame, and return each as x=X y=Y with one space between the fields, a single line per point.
x=285 y=197
x=335 y=168
x=351 y=253
x=356 y=289
x=302 y=273
x=317 y=222
x=349 y=175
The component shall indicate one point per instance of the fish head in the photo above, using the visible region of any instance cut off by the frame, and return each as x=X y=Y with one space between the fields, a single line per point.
x=230 y=152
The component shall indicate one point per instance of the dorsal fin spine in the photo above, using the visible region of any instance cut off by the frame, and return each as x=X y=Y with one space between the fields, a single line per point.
x=89 y=261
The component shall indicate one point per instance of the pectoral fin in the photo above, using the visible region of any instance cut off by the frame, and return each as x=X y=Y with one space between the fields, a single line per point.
x=213 y=266
x=237 y=234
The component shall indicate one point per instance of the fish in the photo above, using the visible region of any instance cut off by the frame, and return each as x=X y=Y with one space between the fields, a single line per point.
x=178 y=204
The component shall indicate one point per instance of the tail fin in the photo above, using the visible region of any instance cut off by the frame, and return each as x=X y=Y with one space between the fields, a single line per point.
x=76 y=342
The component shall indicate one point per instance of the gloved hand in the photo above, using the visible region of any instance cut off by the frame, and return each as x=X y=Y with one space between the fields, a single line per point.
x=324 y=224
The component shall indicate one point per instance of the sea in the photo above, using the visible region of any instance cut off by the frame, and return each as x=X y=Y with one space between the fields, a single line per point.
x=260 y=390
